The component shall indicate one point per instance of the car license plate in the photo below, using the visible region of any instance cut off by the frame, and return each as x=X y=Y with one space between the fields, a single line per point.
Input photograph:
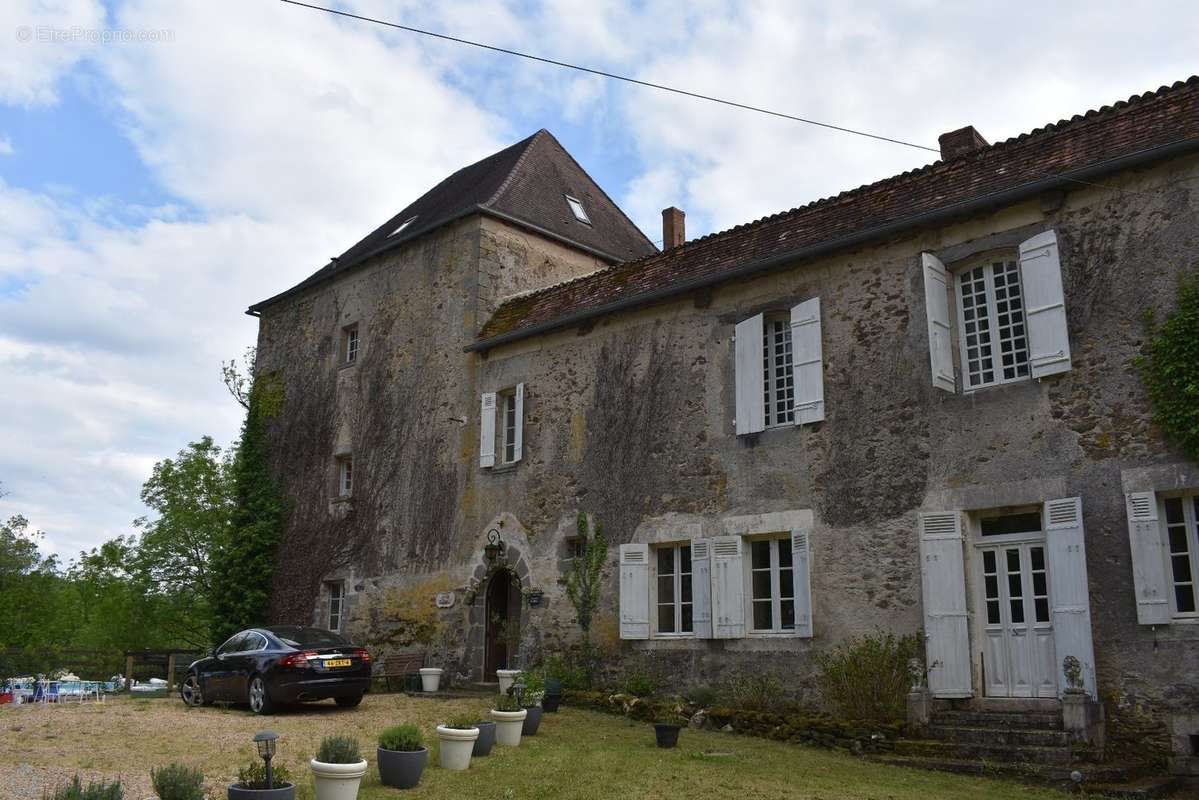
x=338 y=662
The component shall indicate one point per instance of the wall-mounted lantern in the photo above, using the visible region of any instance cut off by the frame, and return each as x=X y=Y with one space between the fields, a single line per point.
x=494 y=547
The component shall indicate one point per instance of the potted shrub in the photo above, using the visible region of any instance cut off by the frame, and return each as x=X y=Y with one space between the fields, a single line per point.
x=402 y=756
x=457 y=739
x=666 y=732
x=509 y=720
x=534 y=692
x=251 y=783
x=430 y=678
x=338 y=768
x=486 y=738
x=177 y=782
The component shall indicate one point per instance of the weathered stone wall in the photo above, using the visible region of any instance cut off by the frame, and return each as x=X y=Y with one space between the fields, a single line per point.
x=631 y=420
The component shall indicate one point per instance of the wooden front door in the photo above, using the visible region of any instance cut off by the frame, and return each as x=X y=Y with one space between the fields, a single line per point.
x=503 y=620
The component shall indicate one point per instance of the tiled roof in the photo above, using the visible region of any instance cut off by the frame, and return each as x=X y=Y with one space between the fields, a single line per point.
x=1153 y=120
x=525 y=183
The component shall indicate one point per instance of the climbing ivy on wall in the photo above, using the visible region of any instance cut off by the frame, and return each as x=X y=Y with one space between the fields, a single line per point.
x=243 y=563
x=1170 y=370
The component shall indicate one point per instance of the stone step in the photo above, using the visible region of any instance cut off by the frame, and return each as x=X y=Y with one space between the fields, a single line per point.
x=1093 y=774
x=1041 y=720
x=1036 y=737
x=991 y=751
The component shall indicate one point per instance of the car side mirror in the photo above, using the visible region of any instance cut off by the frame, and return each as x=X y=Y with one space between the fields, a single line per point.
x=210 y=653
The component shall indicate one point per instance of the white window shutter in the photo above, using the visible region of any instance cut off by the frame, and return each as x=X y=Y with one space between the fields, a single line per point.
x=1148 y=560
x=801 y=560
x=701 y=588
x=807 y=360
x=519 y=434
x=1068 y=596
x=943 y=581
x=748 y=376
x=634 y=591
x=728 y=588
x=936 y=307
x=487 y=431
x=1044 y=305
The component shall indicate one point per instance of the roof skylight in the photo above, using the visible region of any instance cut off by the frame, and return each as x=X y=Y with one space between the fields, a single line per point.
x=576 y=205
x=403 y=225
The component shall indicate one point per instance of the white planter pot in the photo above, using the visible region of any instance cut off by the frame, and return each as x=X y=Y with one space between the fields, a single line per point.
x=508 y=725
x=337 y=781
x=506 y=677
x=430 y=678
x=456 y=746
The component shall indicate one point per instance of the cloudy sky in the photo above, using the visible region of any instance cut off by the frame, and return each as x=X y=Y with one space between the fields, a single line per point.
x=164 y=165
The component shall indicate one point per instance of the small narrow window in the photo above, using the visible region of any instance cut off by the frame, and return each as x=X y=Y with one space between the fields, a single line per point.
x=994 y=339
x=576 y=547
x=675 y=604
x=508 y=433
x=345 y=476
x=403 y=225
x=337 y=595
x=1182 y=550
x=777 y=373
x=772 y=587
x=576 y=207
x=349 y=339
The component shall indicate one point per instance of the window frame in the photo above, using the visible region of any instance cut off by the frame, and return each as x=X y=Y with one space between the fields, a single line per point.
x=337 y=594
x=1190 y=524
x=576 y=547
x=345 y=475
x=507 y=432
x=778 y=368
x=987 y=261
x=577 y=209
x=776 y=598
x=351 y=344
x=677 y=603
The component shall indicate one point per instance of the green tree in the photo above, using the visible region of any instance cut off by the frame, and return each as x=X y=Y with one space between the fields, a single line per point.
x=243 y=563
x=583 y=582
x=1171 y=369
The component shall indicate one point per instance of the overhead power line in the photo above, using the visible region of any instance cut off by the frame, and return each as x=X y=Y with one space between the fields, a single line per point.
x=612 y=75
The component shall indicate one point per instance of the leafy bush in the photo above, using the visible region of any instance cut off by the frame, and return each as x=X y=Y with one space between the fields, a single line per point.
x=868 y=678
x=400 y=737
x=177 y=782
x=507 y=702
x=93 y=791
x=463 y=722
x=640 y=684
x=573 y=673
x=339 y=750
x=1171 y=369
x=703 y=696
x=253 y=775
x=755 y=692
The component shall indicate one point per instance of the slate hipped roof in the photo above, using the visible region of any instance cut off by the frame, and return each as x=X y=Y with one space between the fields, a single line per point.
x=525 y=184
x=1067 y=154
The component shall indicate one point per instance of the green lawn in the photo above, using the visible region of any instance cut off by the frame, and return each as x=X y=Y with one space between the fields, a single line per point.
x=577 y=754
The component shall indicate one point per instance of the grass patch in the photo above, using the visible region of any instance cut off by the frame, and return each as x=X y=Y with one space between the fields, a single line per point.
x=578 y=754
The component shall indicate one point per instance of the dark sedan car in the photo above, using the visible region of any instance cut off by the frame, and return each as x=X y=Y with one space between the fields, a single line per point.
x=270 y=667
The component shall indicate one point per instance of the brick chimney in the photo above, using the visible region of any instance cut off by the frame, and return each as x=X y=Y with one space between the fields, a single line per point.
x=673 y=230
x=959 y=142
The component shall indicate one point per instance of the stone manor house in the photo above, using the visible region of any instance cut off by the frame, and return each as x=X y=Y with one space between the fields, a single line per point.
x=911 y=406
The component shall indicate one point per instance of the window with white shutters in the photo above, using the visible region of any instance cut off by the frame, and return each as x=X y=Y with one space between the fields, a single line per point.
x=772 y=586
x=675 y=601
x=501 y=429
x=778 y=376
x=1180 y=524
x=993 y=337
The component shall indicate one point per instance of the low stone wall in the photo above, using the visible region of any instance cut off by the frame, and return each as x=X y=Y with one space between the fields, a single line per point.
x=813 y=729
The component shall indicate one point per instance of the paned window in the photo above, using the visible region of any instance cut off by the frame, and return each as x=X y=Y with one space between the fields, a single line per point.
x=337 y=596
x=345 y=476
x=508 y=432
x=994 y=339
x=350 y=343
x=777 y=373
x=674 y=589
x=772 y=587
x=1182 y=548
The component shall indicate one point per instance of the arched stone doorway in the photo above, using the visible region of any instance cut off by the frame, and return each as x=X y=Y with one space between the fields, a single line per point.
x=502 y=606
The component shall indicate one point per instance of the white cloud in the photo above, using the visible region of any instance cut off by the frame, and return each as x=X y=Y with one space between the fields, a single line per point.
x=6 y=148
x=34 y=54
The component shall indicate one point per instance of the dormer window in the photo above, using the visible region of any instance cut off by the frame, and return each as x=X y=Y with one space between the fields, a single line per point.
x=403 y=225
x=576 y=207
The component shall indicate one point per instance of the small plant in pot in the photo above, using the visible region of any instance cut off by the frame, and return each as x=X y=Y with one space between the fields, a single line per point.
x=457 y=739
x=509 y=720
x=666 y=731
x=252 y=783
x=486 y=738
x=530 y=697
x=177 y=782
x=402 y=756
x=338 y=768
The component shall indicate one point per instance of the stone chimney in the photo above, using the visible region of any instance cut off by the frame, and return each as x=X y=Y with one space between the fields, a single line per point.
x=959 y=142
x=673 y=230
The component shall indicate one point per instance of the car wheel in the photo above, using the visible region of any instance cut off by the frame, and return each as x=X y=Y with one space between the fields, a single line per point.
x=349 y=702
x=260 y=700
x=190 y=691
